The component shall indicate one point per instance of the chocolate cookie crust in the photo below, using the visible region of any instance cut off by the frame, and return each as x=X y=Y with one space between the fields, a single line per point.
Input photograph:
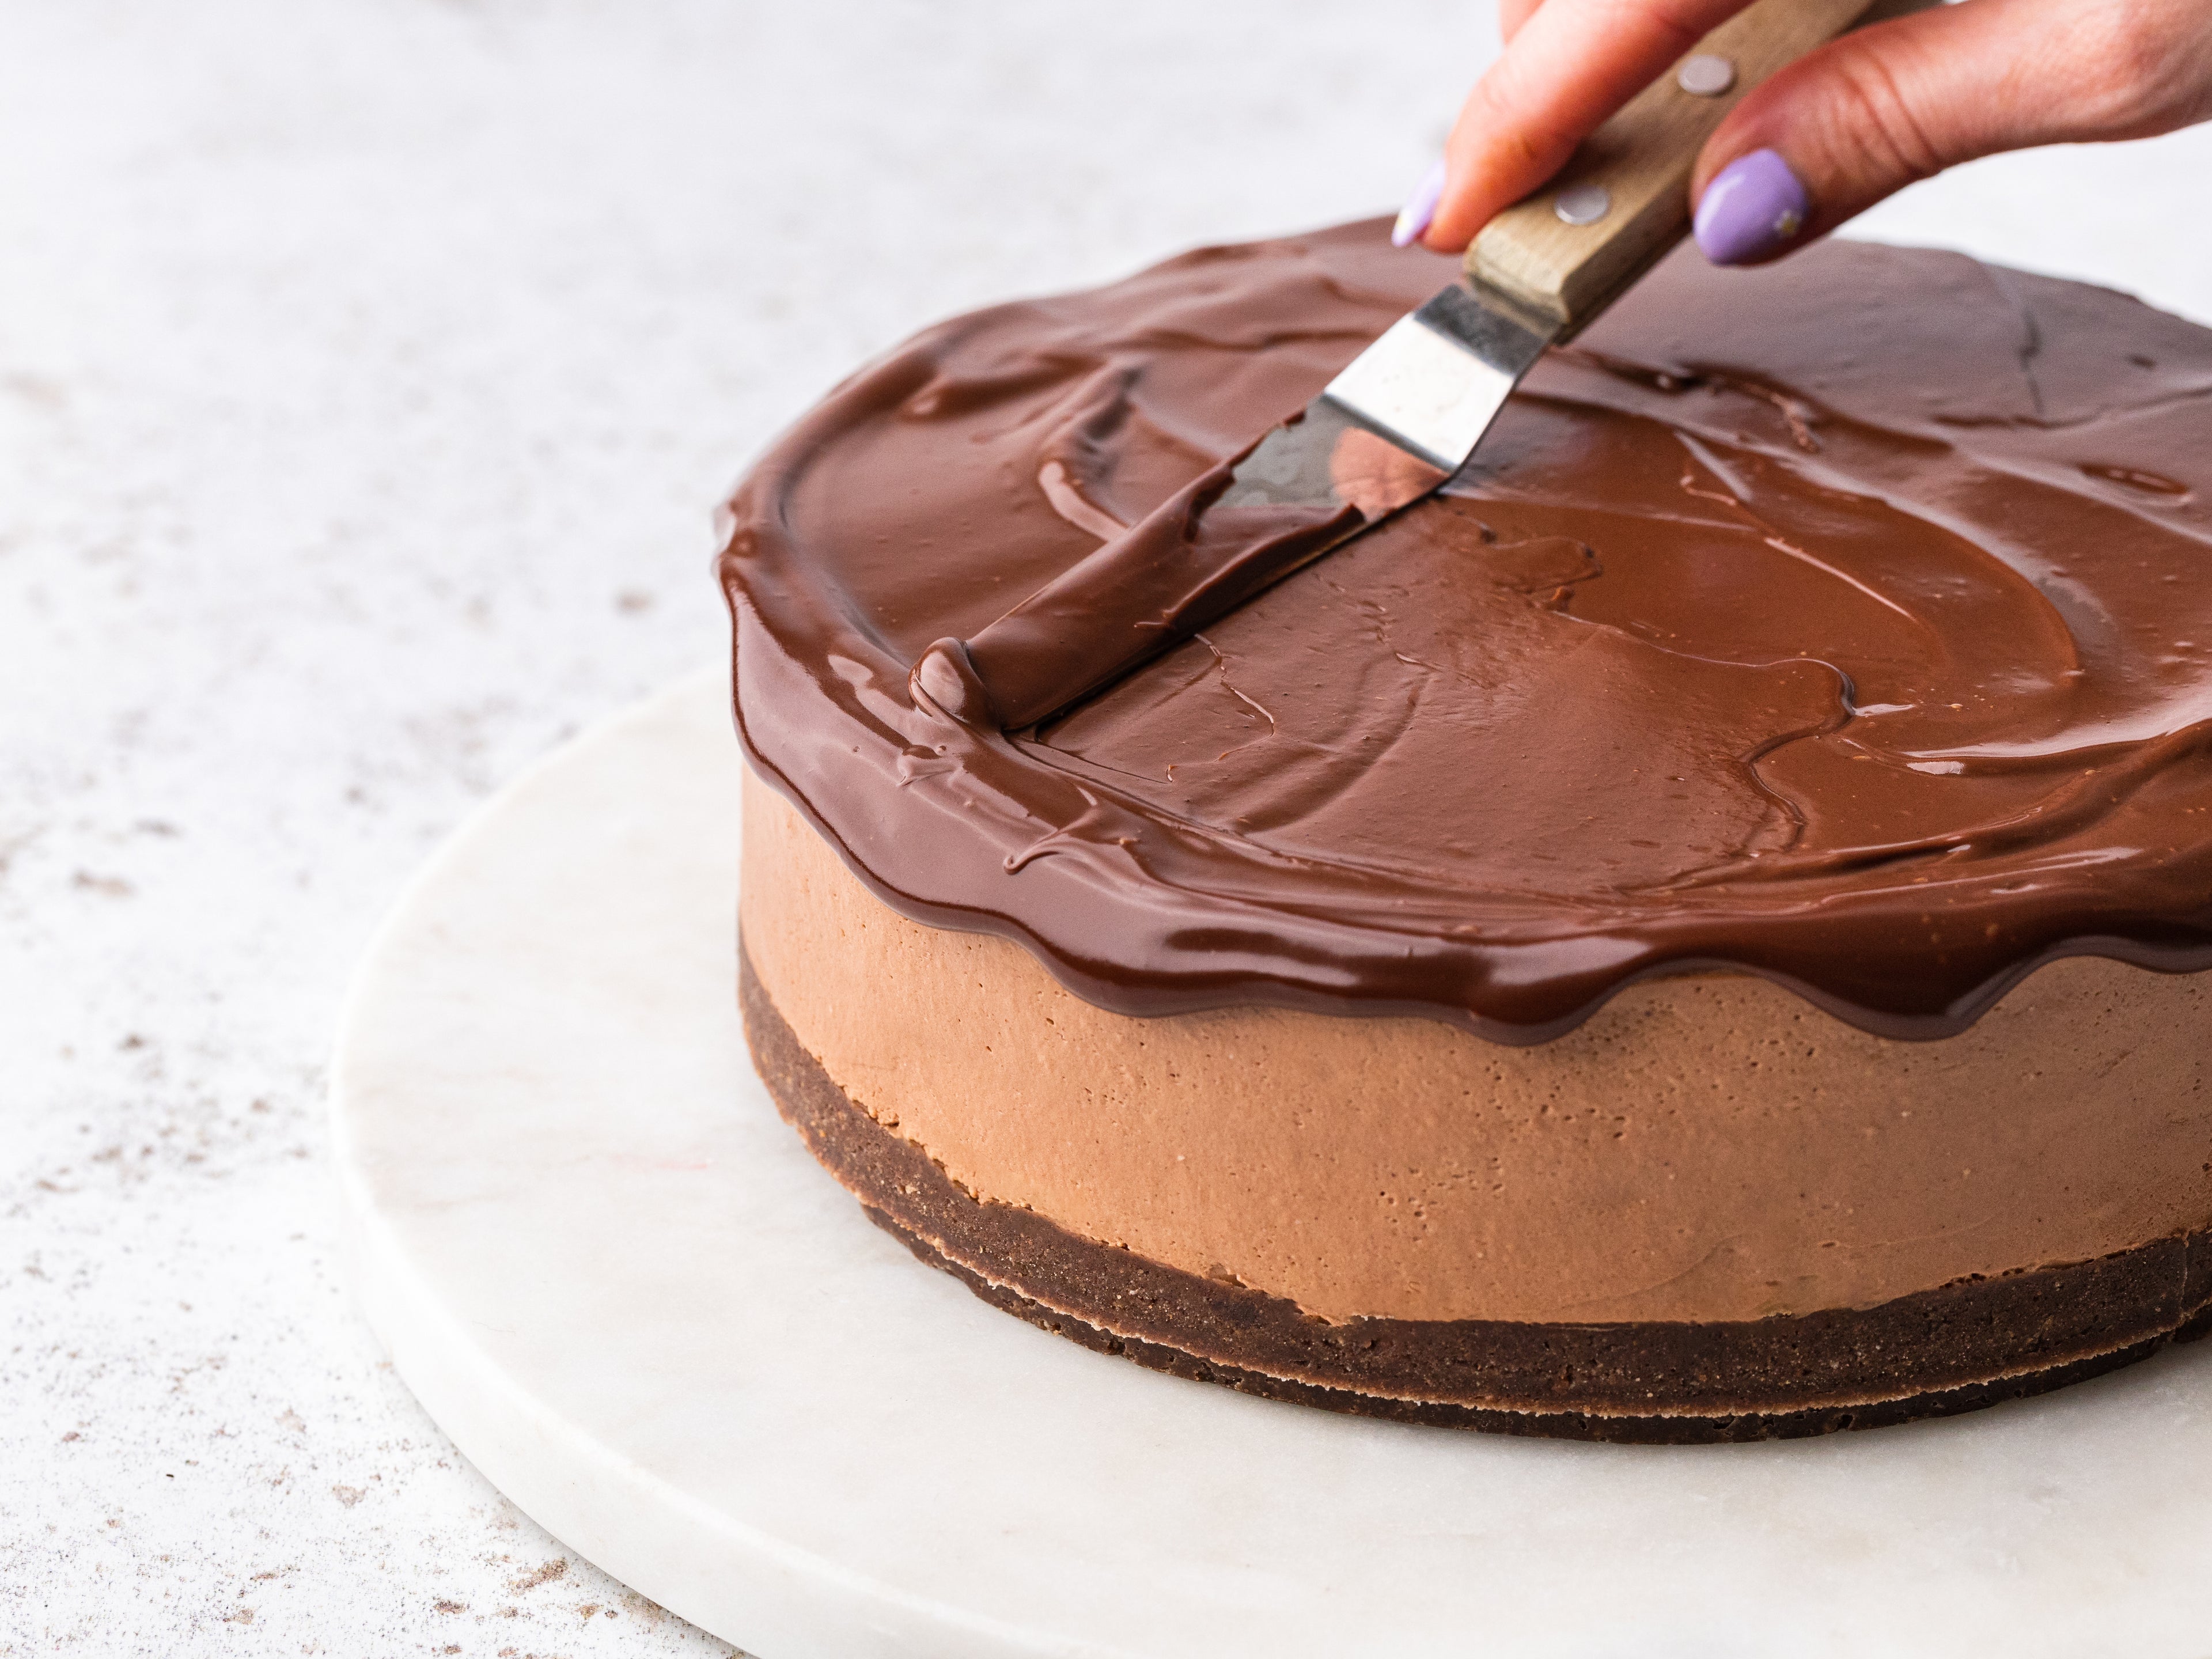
x=1937 y=1352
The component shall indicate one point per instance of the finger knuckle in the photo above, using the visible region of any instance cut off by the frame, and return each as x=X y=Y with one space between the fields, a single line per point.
x=1883 y=118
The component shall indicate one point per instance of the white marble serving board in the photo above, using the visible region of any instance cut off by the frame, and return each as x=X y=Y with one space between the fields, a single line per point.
x=614 y=1275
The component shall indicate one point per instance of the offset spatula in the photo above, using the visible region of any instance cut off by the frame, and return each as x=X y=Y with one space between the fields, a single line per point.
x=1401 y=419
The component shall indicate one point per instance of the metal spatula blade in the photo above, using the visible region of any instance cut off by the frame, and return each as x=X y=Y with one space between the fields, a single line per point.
x=1398 y=422
x=1403 y=415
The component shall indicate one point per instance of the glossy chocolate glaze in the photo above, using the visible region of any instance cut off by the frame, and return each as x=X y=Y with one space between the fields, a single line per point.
x=1848 y=622
x=1188 y=563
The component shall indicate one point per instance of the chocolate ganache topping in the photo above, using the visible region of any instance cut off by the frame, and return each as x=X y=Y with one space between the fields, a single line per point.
x=1847 y=622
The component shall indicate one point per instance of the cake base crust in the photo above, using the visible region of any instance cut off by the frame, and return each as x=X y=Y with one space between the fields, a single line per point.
x=1955 y=1349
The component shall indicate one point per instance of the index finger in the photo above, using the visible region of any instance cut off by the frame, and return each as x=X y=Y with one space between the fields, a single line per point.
x=1571 y=64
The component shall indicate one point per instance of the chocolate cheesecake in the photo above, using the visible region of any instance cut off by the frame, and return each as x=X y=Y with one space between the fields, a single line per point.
x=1694 y=932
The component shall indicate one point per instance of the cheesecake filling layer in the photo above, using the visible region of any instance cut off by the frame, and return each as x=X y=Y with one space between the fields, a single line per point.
x=1847 y=624
x=1705 y=1149
x=1968 y=1345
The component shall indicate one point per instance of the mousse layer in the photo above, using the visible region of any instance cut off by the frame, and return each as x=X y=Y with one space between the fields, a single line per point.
x=1961 y=1348
x=1705 y=1148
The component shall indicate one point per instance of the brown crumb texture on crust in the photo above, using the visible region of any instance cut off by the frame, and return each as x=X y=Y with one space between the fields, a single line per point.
x=1934 y=1353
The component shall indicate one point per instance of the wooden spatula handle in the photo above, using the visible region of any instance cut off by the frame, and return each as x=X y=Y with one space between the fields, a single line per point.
x=1641 y=160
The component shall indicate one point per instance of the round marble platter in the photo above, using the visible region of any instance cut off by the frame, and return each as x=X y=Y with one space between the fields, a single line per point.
x=616 y=1278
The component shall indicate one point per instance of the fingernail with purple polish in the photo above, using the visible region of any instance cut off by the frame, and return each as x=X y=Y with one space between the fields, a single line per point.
x=1754 y=206
x=1420 y=208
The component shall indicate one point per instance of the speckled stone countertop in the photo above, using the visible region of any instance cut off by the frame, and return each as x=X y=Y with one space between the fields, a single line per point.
x=368 y=370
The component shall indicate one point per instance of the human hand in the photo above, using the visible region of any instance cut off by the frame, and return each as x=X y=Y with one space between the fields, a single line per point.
x=1833 y=133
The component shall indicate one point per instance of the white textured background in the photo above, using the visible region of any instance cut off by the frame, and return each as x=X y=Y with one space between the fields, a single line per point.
x=368 y=369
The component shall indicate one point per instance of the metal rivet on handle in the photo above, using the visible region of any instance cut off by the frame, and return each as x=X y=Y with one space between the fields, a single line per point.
x=1706 y=75
x=1585 y=205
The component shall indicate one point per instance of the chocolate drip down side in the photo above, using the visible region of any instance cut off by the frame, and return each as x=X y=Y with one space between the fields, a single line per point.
x=1848 y=622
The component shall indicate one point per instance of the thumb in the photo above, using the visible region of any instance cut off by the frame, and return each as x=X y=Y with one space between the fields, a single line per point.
x=1885 y=106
